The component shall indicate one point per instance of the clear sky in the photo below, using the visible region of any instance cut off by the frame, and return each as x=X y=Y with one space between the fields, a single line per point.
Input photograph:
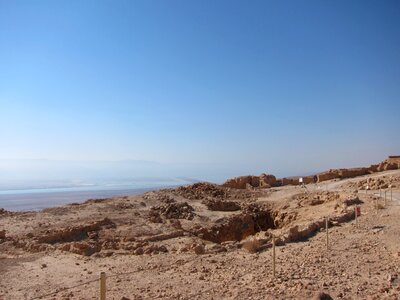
x=274 y=86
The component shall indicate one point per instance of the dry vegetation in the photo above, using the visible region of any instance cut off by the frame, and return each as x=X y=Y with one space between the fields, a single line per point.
x=251 y=245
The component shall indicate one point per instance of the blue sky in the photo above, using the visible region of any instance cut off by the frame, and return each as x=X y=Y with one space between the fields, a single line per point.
x=277 y=86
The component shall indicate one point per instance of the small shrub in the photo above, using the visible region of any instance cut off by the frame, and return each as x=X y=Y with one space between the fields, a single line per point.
x=252 y=245
x=379 y=206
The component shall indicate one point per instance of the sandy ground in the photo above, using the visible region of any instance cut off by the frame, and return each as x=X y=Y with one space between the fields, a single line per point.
x=193 y=252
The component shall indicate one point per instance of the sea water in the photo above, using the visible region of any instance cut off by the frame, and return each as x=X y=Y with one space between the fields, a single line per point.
x=20 y=197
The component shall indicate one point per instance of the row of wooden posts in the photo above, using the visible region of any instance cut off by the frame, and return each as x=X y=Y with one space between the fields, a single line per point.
x=357 y=213
x=380 y=192
x=103 y=274
x=385 y=198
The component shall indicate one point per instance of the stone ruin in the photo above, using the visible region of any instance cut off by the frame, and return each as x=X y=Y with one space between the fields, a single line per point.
x=267 y=181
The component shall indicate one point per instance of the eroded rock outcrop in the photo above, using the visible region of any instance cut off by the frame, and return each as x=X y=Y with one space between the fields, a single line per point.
x=76 y=233
x=4 y=213
x=303 y=232
x=316 y=198
x=238 y=227
x=377 y=183
x=83 y=248
x=201 y=190
x=221 y=205
x=235 y=228
x=174 y=210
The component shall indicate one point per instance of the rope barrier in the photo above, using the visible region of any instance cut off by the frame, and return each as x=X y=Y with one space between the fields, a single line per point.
x=97 y=280
x=64 y=289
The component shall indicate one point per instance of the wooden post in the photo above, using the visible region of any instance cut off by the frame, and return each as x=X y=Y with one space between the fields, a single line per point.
x=273 y=256
x=380 y=193
x=327 y=234
x=391 y=199
x=355 y=214
x=385 y=199
x=102 y=286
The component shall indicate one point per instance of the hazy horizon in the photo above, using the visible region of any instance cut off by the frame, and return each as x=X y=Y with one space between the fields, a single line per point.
x=47 y=170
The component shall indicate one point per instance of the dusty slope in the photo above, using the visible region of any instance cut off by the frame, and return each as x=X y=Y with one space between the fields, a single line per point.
x=172 y=246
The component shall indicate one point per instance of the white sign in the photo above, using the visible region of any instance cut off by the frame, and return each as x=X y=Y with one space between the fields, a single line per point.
x=301 y=179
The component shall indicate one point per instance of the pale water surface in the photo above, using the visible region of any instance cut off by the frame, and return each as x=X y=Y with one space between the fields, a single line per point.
x=18 y=198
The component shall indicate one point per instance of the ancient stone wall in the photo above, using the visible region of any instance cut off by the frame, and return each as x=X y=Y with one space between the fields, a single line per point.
x=243 y=182
x=353 y=172
x=328 y=175
x=266 y=180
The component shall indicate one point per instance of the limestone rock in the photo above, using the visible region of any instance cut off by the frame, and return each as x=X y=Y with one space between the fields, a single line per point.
x=84 y=248
x=174 y=210
x=199 y=249
x=323 y=296
x=221 y=205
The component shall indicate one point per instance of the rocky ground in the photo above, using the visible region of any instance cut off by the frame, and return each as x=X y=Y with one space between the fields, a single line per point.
x=205 y=241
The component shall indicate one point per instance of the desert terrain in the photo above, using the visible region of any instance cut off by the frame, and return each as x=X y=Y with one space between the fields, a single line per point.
x=208 y=241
